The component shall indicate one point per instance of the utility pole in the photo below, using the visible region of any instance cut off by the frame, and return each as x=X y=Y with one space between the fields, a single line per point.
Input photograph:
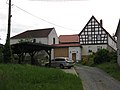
x=7 y=52
x=9 y=21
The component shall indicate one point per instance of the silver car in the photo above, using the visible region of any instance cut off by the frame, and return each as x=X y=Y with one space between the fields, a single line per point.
x=62 y=62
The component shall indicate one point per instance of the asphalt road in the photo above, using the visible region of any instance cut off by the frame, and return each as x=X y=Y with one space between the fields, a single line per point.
x=96 y=79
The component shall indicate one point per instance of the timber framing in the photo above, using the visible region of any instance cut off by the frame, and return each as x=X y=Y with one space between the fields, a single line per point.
x=94 y=33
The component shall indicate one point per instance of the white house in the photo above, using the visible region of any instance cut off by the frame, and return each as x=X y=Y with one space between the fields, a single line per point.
x=117 y=34
x=69 y=47
x=94 y=37
x=44 y=36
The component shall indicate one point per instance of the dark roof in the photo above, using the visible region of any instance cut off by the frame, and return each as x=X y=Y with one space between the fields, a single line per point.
x=37 y=33
x=29 y=47
x=118 y=27
x=69 y=38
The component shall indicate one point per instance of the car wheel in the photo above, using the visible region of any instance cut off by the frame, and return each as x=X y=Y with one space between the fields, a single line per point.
x=61 y=66
x=47 y=65
x=69 y=67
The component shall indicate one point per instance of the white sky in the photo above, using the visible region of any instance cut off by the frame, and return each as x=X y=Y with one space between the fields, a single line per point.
x=72 y=15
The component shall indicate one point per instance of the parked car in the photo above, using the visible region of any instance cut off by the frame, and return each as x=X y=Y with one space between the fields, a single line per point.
x=61 y=62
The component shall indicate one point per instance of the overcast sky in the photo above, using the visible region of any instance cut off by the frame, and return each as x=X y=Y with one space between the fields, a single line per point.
x=67 y=17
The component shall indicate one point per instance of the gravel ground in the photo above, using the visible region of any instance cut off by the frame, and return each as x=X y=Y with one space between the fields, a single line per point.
x=96 y=79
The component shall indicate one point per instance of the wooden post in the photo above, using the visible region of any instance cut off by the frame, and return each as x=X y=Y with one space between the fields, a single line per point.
x=49 y=53
x=19 y=61
x=32 y=57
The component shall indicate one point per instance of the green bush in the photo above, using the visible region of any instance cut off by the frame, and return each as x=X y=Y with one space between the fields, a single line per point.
x=113 y=57
x=7 y=53
x=1 y=55
x=101 y=56
x=104 y=55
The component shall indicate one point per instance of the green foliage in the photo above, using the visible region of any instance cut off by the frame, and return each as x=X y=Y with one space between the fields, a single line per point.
x=7 y=53
x=84 y=60
x=1 y=55
x=101 y=56
x=27 y=77
x=113 y=57
x=111 y=68
x=91 y=59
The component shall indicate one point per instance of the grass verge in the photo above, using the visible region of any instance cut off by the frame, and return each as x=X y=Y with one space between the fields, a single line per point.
x=111 y=68
x=27 y=77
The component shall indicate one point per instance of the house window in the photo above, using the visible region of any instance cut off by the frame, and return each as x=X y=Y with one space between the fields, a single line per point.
x=89 y=37
x=98 y=37
x=99 y=47
x=89 y=49
x=34 y=40
x=53 y=40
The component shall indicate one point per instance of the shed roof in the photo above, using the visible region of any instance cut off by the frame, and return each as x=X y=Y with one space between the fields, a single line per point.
x=66 y=45
x=29 y=47
x=37 y=33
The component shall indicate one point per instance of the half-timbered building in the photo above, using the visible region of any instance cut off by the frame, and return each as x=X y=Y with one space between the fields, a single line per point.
x=94 y=37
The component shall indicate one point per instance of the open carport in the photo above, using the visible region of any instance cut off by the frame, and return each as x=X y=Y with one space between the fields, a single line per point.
x=31 y=48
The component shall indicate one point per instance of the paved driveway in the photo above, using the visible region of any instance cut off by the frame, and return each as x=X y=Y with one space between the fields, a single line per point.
x=95 y=79
x=72 y=71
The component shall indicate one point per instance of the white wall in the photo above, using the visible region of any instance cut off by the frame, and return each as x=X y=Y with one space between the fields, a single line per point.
x=52 y=35
x=45 y=40
x=94 y=48
x=38 y=40
x=76 y=50
x=13 y=41
x=112 y=43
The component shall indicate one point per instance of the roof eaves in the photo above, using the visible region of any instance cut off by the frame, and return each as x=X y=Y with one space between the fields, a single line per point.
x=117 y=28
x=86 y=25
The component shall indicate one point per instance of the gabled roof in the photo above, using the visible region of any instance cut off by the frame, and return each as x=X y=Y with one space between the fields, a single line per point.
x=96 y=21
x=37 y=33
x=118 y=28
x=99 y=25
x=69 y=38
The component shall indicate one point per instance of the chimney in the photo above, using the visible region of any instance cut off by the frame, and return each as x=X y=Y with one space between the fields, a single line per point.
x=101 y=22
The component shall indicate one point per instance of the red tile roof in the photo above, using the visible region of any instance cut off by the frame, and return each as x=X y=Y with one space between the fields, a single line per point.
x=67 y=45
x=69 y=38
x=33 y=33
